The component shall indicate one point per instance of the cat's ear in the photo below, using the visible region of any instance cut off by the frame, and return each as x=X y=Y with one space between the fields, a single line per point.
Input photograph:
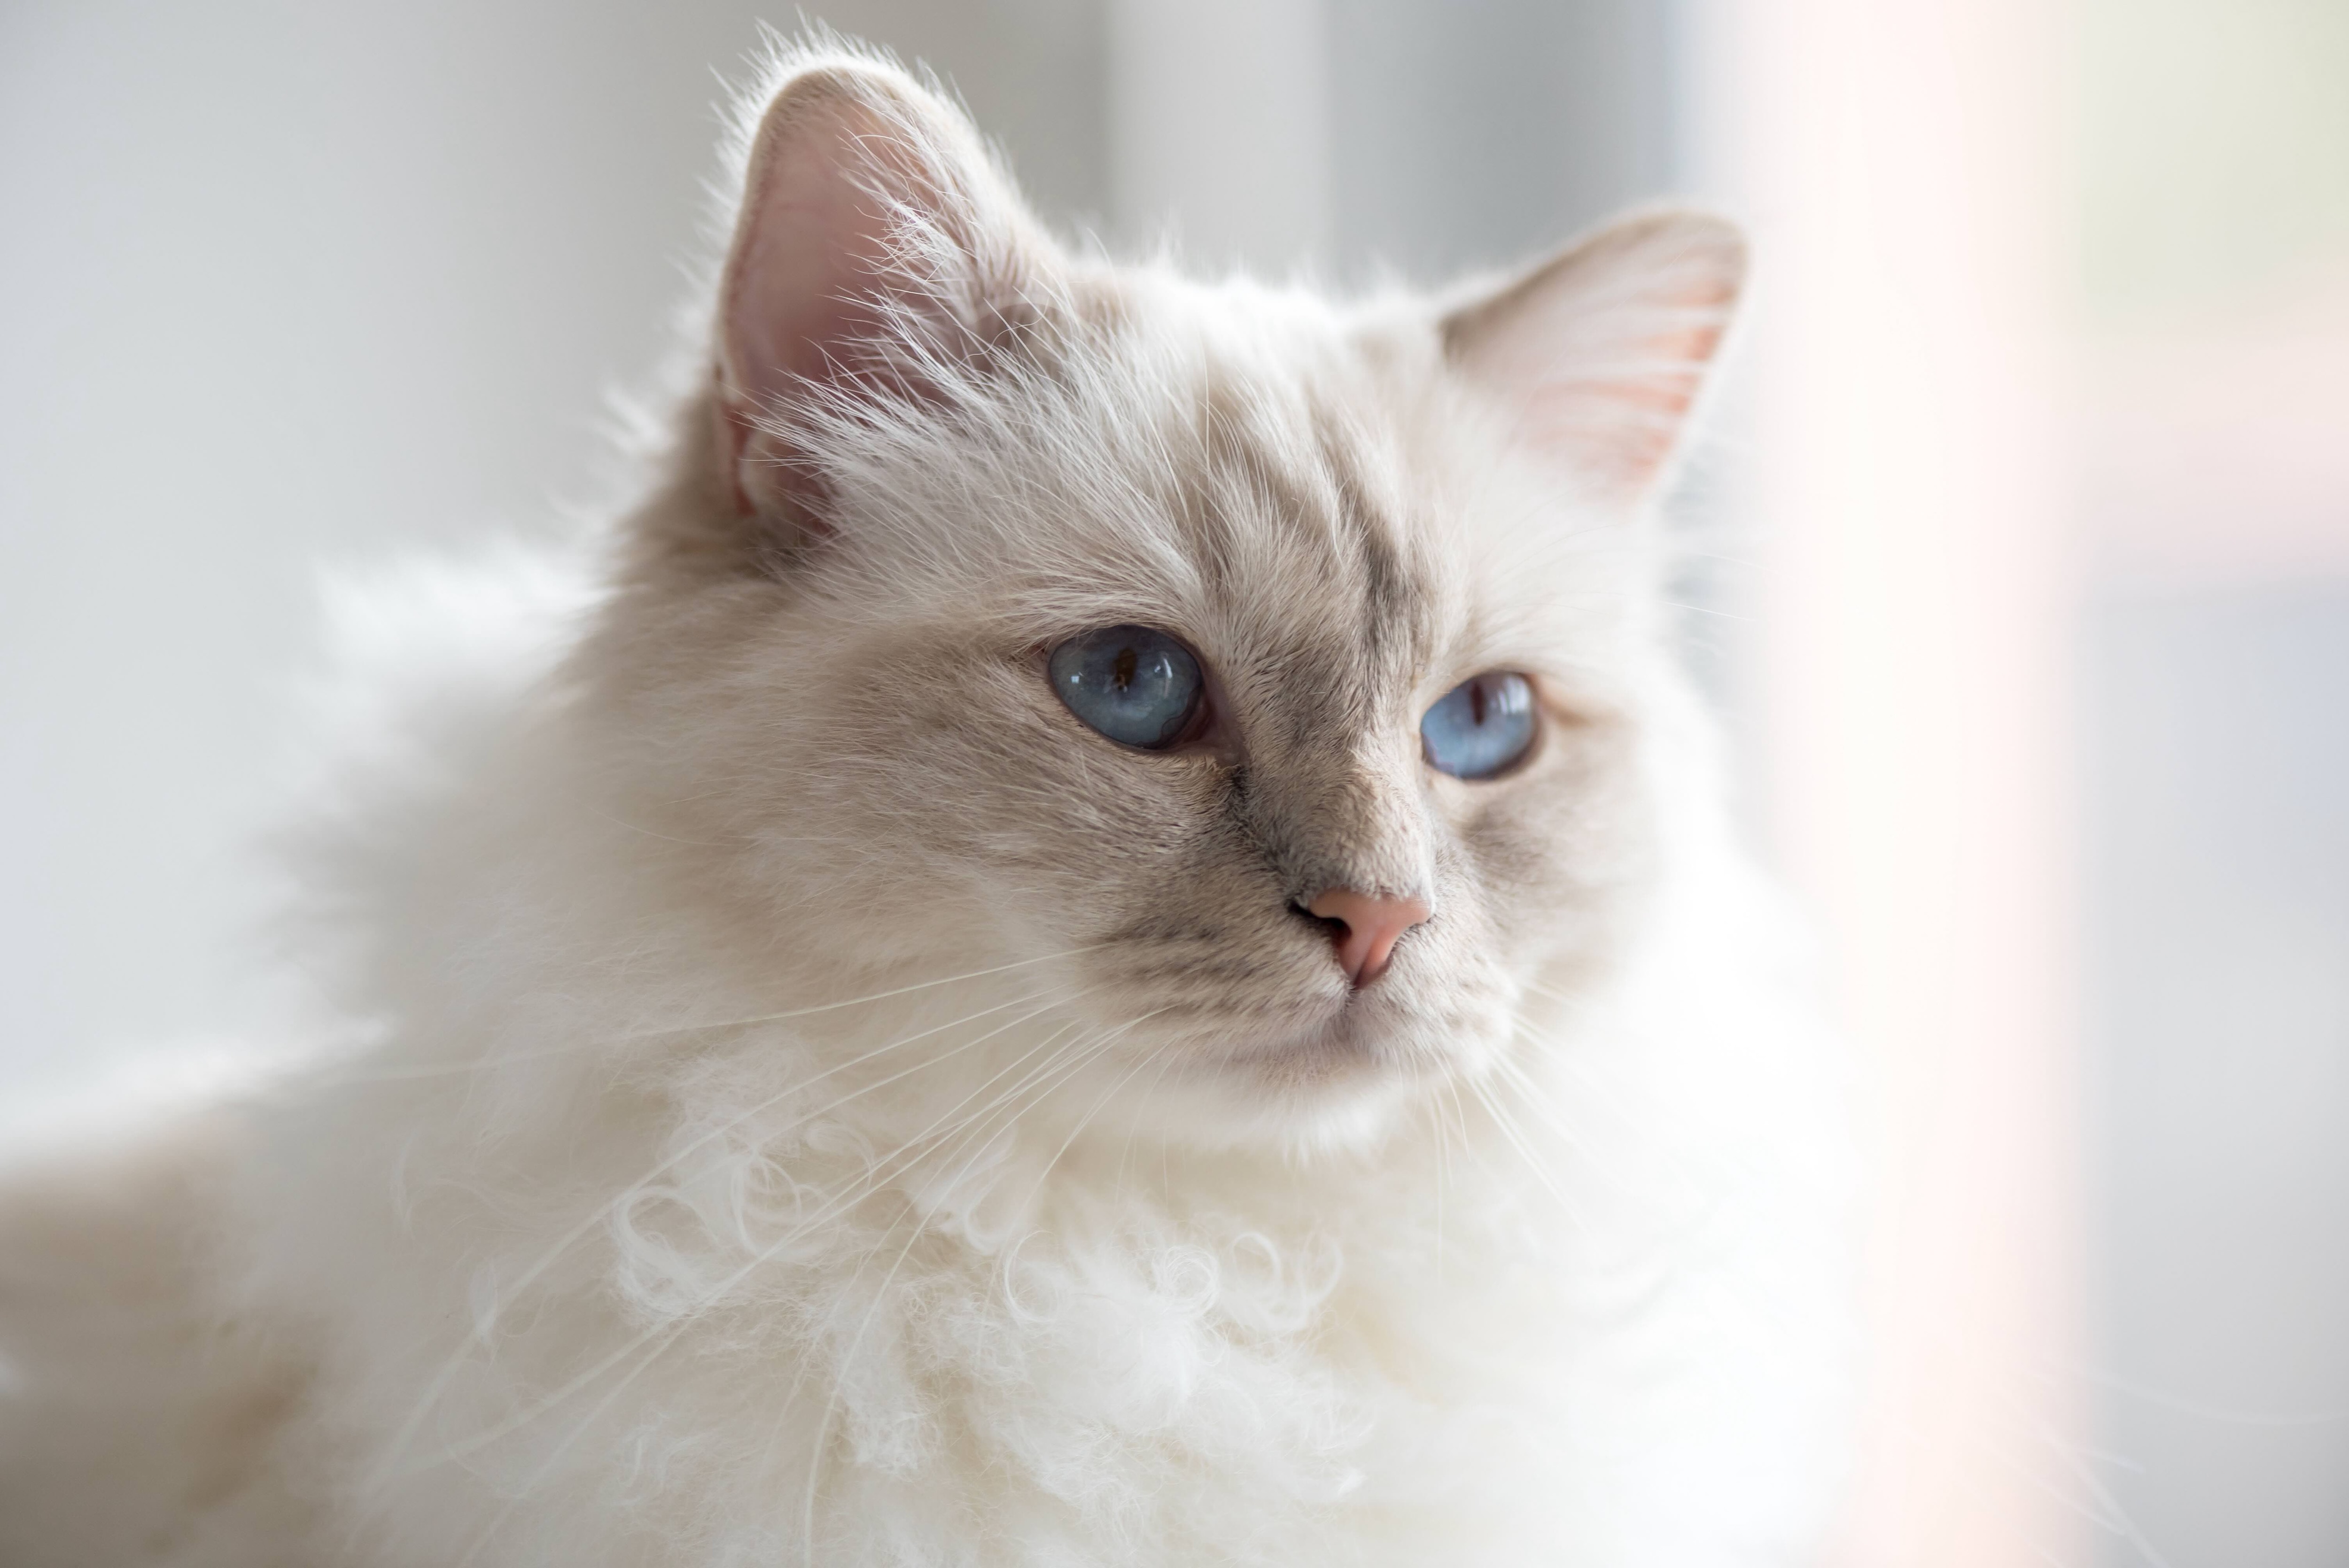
x=1600 y=352
x=880 y=252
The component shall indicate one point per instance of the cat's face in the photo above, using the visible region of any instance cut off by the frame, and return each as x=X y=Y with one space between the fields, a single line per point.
x=1047 y=614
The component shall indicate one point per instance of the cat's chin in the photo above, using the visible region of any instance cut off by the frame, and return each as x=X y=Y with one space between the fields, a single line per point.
x=1339 y=1083
x=1333 y=1056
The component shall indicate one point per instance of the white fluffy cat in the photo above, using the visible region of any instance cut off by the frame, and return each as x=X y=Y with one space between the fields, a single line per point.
x=1100 y=933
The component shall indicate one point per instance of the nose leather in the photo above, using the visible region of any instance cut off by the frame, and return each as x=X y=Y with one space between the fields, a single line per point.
x=1372 y=924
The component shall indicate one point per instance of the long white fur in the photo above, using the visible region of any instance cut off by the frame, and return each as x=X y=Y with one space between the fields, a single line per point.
x=656 y=1205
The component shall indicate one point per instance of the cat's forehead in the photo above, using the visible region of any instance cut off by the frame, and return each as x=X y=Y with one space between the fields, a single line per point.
x=1294 y=503
x=1298 y=480
x=1298 y=488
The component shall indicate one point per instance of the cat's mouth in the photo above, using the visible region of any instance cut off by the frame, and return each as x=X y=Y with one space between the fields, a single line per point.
x=1300 y=1035
x=1311 y=1062
x=1336 y=1048
x=1361 y=1036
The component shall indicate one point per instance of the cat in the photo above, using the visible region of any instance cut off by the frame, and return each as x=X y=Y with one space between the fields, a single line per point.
x=1101 y=931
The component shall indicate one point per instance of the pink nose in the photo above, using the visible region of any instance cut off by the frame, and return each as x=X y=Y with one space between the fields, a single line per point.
x=1372 y=927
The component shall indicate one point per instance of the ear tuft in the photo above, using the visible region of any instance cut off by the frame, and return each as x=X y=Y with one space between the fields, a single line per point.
x=878 y=244
x=1602 y=349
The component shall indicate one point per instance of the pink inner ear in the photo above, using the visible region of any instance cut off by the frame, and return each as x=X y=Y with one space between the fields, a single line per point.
x=812 y=278
x=877 y=244
x=1603 y=351
x=1622 y=414
x=812 y=257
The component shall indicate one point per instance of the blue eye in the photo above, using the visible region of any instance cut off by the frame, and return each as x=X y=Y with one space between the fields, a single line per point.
x=1138 y=687
x=1480 y=727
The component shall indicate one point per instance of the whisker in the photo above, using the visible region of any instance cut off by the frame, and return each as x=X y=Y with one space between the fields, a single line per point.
x=1537 y=1102
x=865 y=1186
x=667 y=1334
x=1083 y=1121
x=967 y=1127
x=1545 y=1110
x=1699 y=1178
x=460 y=1450
x=649 y=833
x=1133 y=1123
x=2104 y=1508
x=1443 y=1166
x=1708 y=610
x=859 y=1001
x=490 y=1062
x=2283 y=1420
x=448 y=1371
x=831 y=1406
x=1517 y=1141
x=1589 y=1086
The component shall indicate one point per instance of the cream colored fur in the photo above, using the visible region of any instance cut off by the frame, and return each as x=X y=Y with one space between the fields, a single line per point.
x=799 y=1097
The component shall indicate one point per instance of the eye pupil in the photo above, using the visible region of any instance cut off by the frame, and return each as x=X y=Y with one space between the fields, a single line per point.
x=1481 y=727
x=1138 y=687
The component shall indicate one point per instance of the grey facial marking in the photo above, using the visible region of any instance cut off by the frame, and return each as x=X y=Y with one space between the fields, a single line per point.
x=1391 y=600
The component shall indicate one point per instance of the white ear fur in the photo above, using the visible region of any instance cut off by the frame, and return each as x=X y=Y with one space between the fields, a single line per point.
x=878 y=238
x=1601 y=350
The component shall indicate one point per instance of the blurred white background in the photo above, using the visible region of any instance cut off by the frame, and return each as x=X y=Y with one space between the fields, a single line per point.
x=2027 y=572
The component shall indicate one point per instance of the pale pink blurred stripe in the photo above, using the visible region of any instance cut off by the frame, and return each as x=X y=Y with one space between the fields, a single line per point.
x=2215 y=448
x=1899 y=163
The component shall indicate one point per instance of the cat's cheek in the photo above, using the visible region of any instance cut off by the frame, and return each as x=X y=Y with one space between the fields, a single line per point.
x=1559 y=853
x=1011 y=802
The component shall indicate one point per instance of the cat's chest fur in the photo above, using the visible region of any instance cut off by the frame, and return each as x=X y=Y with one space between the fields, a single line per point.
x=780 y=1335
x=757 y=1307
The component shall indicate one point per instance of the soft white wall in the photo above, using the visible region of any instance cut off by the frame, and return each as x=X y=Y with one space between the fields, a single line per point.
x=2214 y=153
x=1220 y=128
x=2218 y=862
x=1472 y=132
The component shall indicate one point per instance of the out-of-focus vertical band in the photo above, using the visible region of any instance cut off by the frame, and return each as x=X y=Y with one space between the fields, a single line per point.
x=1901 y=167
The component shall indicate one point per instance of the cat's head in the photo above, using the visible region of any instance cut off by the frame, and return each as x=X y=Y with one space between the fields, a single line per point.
x=1269 y=678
